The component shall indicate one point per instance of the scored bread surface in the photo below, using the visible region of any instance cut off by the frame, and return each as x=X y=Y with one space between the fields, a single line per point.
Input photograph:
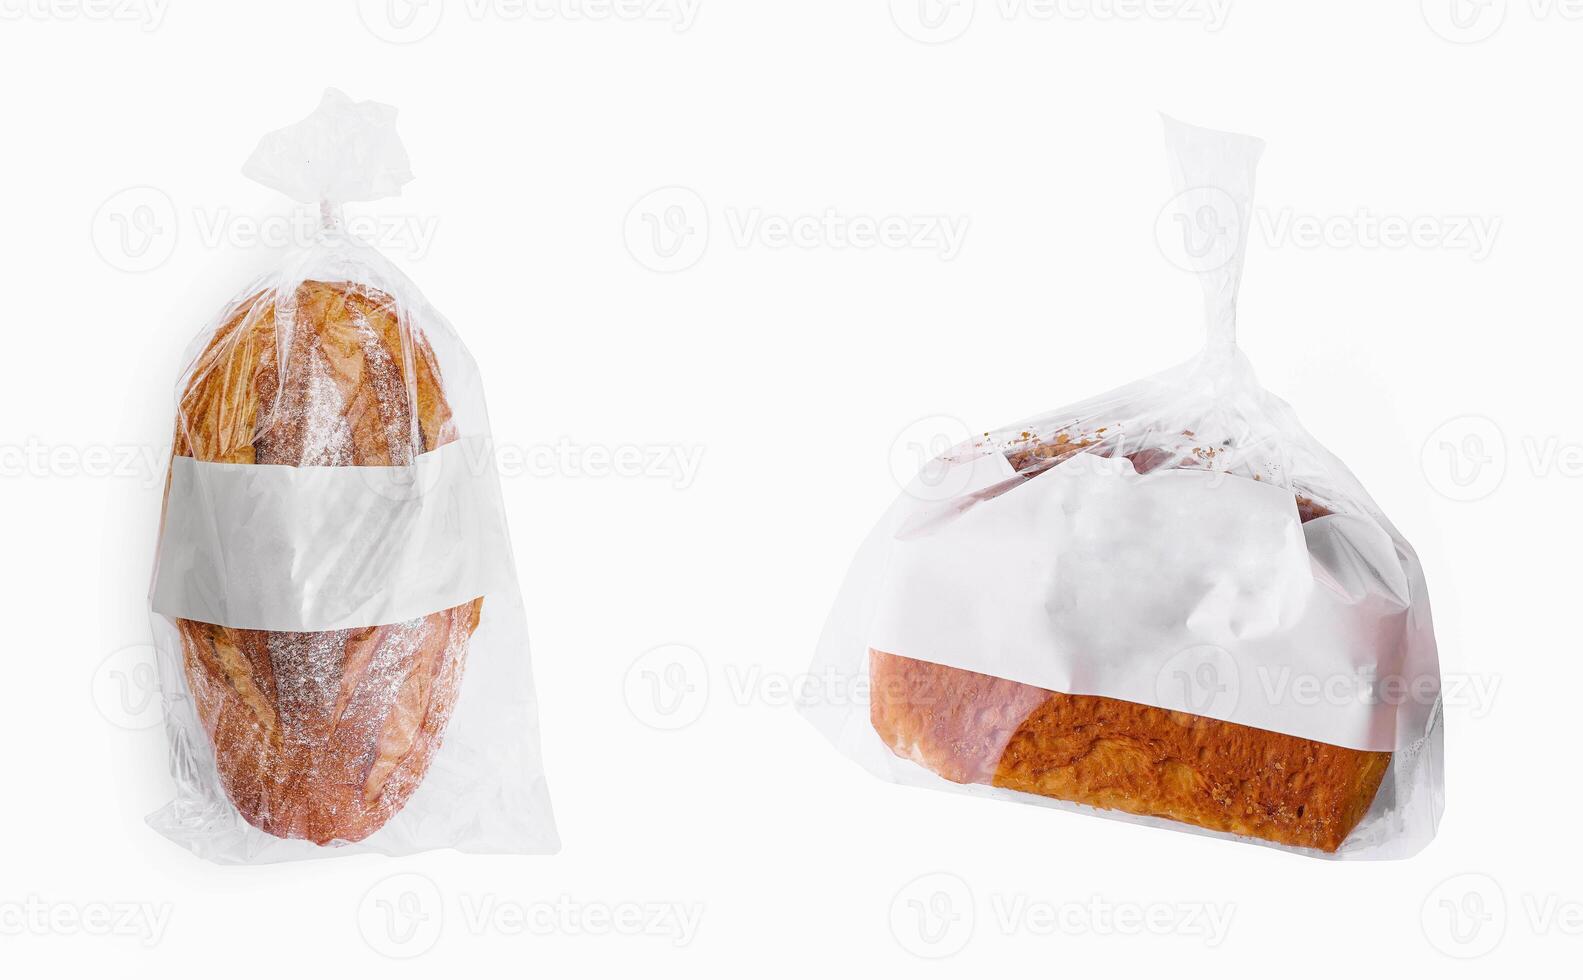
x=321 y=735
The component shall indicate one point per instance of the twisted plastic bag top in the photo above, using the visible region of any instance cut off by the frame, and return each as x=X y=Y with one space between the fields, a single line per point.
x=1209 y=413
x=343 y=151
x=1213 y=173
x=336 y=358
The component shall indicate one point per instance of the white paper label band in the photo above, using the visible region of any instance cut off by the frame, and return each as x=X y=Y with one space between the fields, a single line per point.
x=309 y=548
x=1180 y=589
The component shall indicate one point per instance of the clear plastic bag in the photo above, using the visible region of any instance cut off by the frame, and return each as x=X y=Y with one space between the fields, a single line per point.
x=1167 y=604
x=342 y=645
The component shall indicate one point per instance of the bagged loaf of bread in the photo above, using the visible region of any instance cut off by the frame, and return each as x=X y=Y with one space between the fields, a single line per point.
x=343 y=652
x=1167 y=603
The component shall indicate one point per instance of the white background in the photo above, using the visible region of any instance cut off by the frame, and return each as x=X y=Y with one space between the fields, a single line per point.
x=799 y=372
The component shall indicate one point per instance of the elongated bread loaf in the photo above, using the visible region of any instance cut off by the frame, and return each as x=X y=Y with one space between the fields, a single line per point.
x=973 y=728
x=321 y=735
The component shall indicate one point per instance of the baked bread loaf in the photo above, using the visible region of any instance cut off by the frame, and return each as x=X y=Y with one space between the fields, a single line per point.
x=973 y=728
x=321 y=735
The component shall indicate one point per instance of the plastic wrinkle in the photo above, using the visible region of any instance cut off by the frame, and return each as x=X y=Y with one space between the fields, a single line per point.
x=342 y=649
x=1166 y=604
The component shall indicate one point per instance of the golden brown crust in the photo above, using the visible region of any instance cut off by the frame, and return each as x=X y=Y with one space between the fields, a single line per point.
x=321 y=735
x=973 y=728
